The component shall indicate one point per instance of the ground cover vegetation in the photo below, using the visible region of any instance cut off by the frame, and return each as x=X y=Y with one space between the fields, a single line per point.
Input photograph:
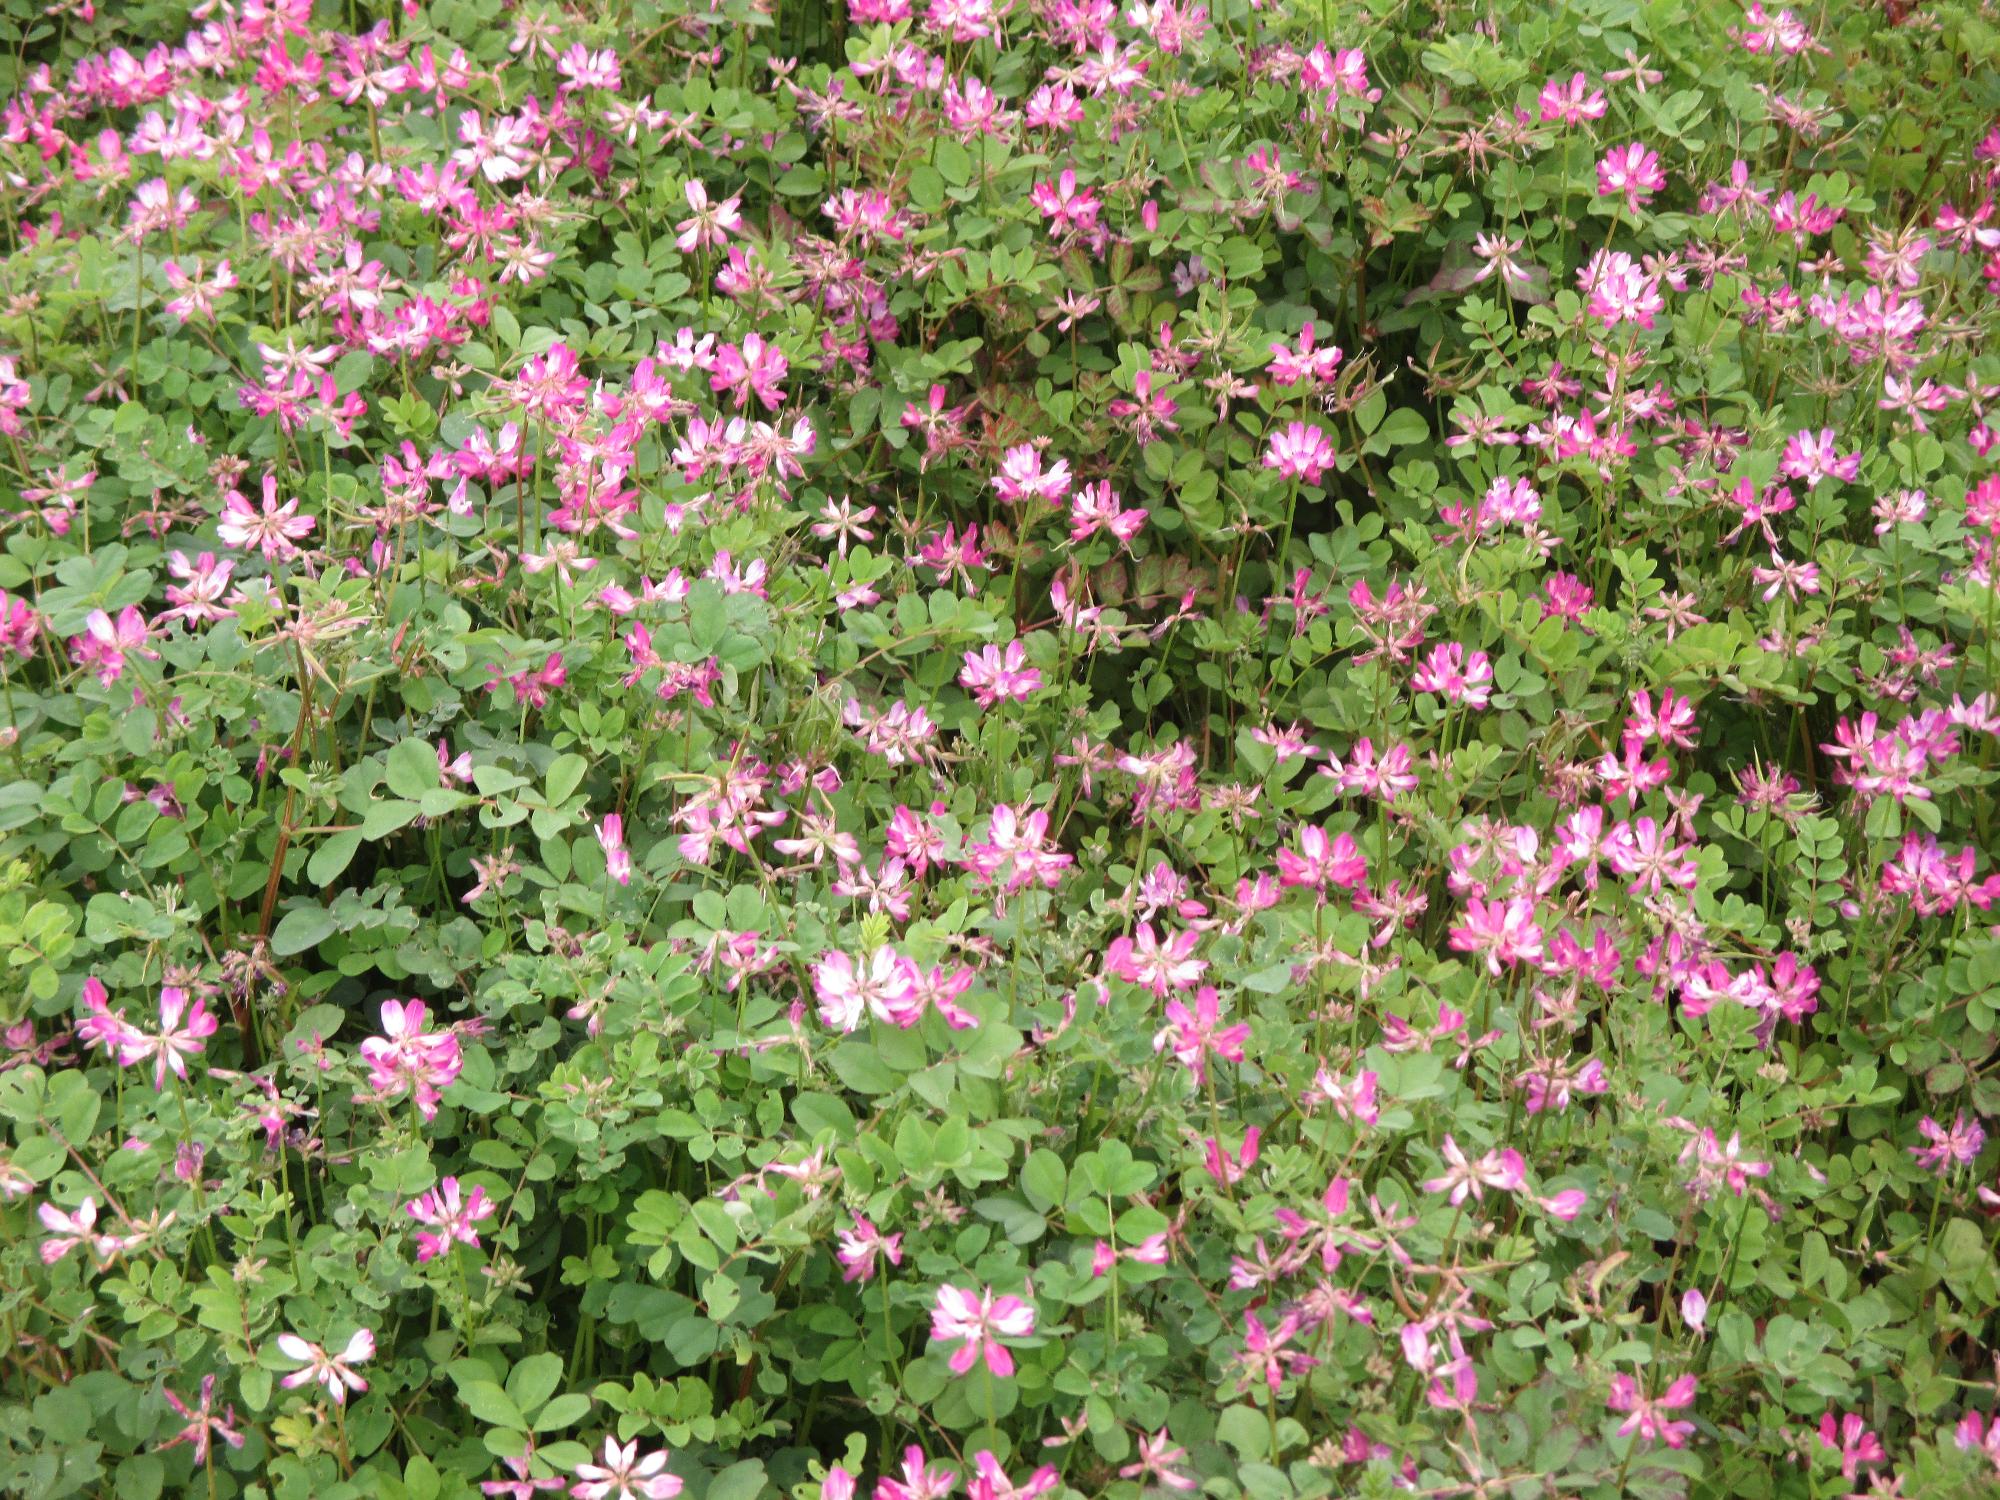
x=954 y=747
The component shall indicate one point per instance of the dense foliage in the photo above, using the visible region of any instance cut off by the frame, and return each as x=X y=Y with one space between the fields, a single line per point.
x=1018 y=749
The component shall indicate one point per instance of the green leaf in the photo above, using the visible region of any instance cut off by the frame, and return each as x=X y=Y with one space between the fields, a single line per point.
x=301 y=928
x=954 y=162
x=564 y=1411
x=926 y=189
x=565 y=776
x=332 y=858
x=740 y=1481
x=384 y=818
x=490 y=1404
x=862 y=1069
x=1044 y=1179
x=413 y=768
x=534 y=1380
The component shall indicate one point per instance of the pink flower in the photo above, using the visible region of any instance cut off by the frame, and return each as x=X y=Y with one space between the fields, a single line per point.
x=1096 y=507
x=1619 y=290
x=1631 y=172
x=921 y=1479
x=1299 y=451
x=1322 y=860
x=182 y=1034
x=981 y=1320
x=1228 y=1170
x=1455 y=676
x=1146 y=961
x=1956 y=1147
x=406 y=1058
x=450 y=1216
x=1694 y=1309
x=1194 y=1034
x=989 y=1480
x=1852 y=1440
x=712 y=223
x=1564 y=1205
x=621 y=1474
x=1290 y=366
x=1572 y=102
x=1501 y=1169
x=1023 y=477
x=334 y=1371
x=1354 y=1102
x=1503 y=929
x=752 y=370
x=66 y=1232
x=271 y=531
x=106 y=643
x=1265 y=1355
x=1162 y=1462
x=992 y=674
x=860 y=1246
x=20 y=625
x=1813 y=456
x=1063 y=204
x=202 y=1423
x=617 y=858
x=849 y=992
x=1647 y=1417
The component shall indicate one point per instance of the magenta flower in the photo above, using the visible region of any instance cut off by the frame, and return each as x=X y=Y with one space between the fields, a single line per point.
x=1309 y=361
x=992 y=674
x=1630 y=172
x=1023 y=476
x=1455 y=676
x=1161 y=1461
x=710 y=223
x=1065 y=205
x=1501 y=1169
x=1619 y=290
x=183 y=1031
x=752 y=370
x=850 y=992
x=1648 y=1419
x=106 y=643
x=981 y=1320
x=617 y=858
x=1097 y=507
x=272 y=531
x=69 y=1231
x=1299 y=451
x=1504 y=930
x=1813 y=456
x=1228 y=1169
x=406 y=1058
x=1265 y=1356
x=451 y=1217
x=1852 y=1440
x=921 y=1479
x=1956 y=1147
x=989 y=1480
x=1571 y=102
x=1195 y=1034
x=1147 y=961
x=862 y=1245
x=20 y=625
x=1322 y=860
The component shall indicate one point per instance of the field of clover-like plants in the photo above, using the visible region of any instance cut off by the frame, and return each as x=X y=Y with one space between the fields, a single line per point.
x=999 y=748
